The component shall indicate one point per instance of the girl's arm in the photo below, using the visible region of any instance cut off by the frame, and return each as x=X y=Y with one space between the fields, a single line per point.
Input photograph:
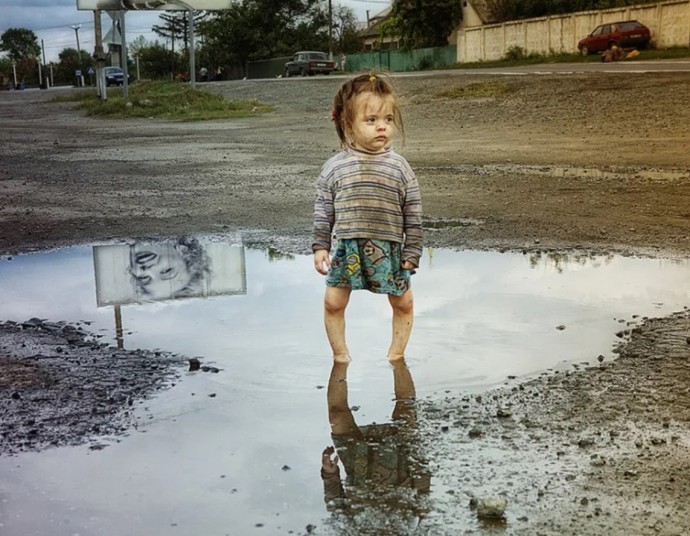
x=412 y=216
x=324 y=215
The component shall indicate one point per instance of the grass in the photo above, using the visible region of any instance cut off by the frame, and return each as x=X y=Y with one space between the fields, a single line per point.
x=173 y=101
x=476 y=91
x=517 y=57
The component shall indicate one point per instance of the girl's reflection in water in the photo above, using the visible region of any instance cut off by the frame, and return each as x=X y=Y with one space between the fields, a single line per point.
x=386 y=479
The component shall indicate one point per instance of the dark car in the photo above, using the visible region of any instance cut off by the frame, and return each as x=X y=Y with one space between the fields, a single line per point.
x=627 y=33
x=114 y=76
x=308 y=63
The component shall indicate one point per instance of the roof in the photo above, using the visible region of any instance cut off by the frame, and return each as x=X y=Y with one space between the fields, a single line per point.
x=372 y=29
x=482 y=9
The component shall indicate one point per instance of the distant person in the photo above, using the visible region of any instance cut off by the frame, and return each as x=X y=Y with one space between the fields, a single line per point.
x=219 y=73
x=343 y=60
x=203 y=74
x=169 y=269
x=613 y=53
x=368 y=197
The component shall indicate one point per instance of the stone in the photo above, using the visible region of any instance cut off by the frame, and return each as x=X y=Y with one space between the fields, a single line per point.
x=491 y=508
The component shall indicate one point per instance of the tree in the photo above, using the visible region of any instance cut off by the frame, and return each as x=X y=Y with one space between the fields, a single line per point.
x=262 y=29
x=68 y=63
x=504 y=10
x=176 y=26
x=155 y=61
x=425 y=23
x=19 y=43
x=345 y=34
x=137 y=45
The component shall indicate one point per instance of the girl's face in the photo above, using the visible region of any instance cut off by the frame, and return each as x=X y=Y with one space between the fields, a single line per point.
x=374 y=122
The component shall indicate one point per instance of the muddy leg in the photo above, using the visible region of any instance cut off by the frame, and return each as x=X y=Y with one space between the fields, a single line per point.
x=403 y=313
x=335 y=302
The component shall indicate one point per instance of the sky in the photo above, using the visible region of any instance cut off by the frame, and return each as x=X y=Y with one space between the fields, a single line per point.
x=51 y=21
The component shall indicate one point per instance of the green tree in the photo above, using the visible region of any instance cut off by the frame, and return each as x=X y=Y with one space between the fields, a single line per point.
x=262 y=29
x=425 y=23
x=156 y=61
x=136 y=45
x=176 y=26
x=504 y=10
x=345 y=34
x=19 y=43
x=68 y=64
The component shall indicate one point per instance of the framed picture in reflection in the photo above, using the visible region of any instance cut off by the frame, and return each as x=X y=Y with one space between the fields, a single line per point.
x=167 y=269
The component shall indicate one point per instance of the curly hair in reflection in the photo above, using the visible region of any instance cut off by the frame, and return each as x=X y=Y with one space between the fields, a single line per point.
x=169 y=269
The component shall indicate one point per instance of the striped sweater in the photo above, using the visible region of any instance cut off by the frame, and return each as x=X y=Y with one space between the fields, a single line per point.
x=364 y=195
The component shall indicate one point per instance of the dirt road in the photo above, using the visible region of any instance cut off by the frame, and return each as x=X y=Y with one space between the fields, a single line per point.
x=596 y=162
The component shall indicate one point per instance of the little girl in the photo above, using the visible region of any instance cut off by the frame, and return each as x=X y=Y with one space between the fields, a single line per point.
x=368 y=199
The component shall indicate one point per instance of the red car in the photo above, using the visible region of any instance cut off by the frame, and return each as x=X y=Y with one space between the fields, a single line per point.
x=628 y=33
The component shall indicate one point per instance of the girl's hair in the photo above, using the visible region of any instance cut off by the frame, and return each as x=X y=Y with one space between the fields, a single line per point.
x=343 y=104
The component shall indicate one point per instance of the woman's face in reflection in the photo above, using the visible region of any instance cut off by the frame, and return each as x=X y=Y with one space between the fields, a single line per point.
x=159 y=270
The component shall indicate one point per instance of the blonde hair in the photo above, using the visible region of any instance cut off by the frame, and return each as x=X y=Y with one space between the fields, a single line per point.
x=344 y=101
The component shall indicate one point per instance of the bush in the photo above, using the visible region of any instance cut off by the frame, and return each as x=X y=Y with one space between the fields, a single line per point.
x=515 y=53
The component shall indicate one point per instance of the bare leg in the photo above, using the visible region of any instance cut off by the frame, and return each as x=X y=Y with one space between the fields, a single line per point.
x=335 y=302
x=404 y=392
x=403 y=313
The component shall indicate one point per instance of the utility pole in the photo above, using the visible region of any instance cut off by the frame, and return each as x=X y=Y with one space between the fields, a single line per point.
x=43 y=49
x=192 y=48
x=80 y=79
x=99 y=56
x=123 y=58
x=330 y=30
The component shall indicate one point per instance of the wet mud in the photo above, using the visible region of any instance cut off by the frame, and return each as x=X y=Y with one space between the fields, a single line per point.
x=601 y=448
x=61 y=386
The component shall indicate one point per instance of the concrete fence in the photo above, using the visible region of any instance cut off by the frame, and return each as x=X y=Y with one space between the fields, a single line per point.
x=669 y=23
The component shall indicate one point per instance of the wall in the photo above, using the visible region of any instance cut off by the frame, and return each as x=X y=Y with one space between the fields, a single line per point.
x=388 y=60
x=669 y=23
x=402 y=60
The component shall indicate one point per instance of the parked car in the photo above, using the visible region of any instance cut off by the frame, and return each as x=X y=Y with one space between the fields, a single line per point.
x=628 y=33
x=114 y=76
x=308 y=62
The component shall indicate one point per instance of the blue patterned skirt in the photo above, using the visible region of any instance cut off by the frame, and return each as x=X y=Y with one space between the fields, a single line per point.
x=367 y=263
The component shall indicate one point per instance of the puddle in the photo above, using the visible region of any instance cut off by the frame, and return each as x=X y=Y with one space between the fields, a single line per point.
x=239 y=452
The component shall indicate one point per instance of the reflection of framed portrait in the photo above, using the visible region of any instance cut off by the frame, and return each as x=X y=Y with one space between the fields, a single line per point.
x=167 y=269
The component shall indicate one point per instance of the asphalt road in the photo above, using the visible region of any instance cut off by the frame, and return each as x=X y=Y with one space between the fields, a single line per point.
x=648 y=66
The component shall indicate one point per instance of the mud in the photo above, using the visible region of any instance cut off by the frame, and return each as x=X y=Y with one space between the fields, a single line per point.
x=61 y=386
x=587 y=163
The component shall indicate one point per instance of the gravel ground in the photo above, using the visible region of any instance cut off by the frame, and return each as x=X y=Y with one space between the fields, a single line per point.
x=595 y=162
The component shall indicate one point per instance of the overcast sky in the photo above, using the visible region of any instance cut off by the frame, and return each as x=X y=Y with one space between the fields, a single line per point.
x=50 y=20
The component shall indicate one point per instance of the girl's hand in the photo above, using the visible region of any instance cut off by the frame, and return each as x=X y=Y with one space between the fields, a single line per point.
x=329 y=461
x=407 y=265
x=322 y=262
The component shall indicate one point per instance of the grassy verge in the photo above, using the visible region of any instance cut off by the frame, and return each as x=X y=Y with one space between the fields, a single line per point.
x=476 y=91
x=174 y=101
x=517 y=57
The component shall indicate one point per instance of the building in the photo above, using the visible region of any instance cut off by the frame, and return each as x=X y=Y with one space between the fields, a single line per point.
x=474 y=13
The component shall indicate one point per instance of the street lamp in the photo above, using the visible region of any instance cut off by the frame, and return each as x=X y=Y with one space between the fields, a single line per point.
x=76 y=27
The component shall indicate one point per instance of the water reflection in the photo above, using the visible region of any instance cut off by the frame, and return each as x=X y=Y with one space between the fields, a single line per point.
x=562 y=261
x=386 y=479
x=167 y=269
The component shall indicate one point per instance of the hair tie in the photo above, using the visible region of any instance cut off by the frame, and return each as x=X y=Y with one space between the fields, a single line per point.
x=372 y=78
